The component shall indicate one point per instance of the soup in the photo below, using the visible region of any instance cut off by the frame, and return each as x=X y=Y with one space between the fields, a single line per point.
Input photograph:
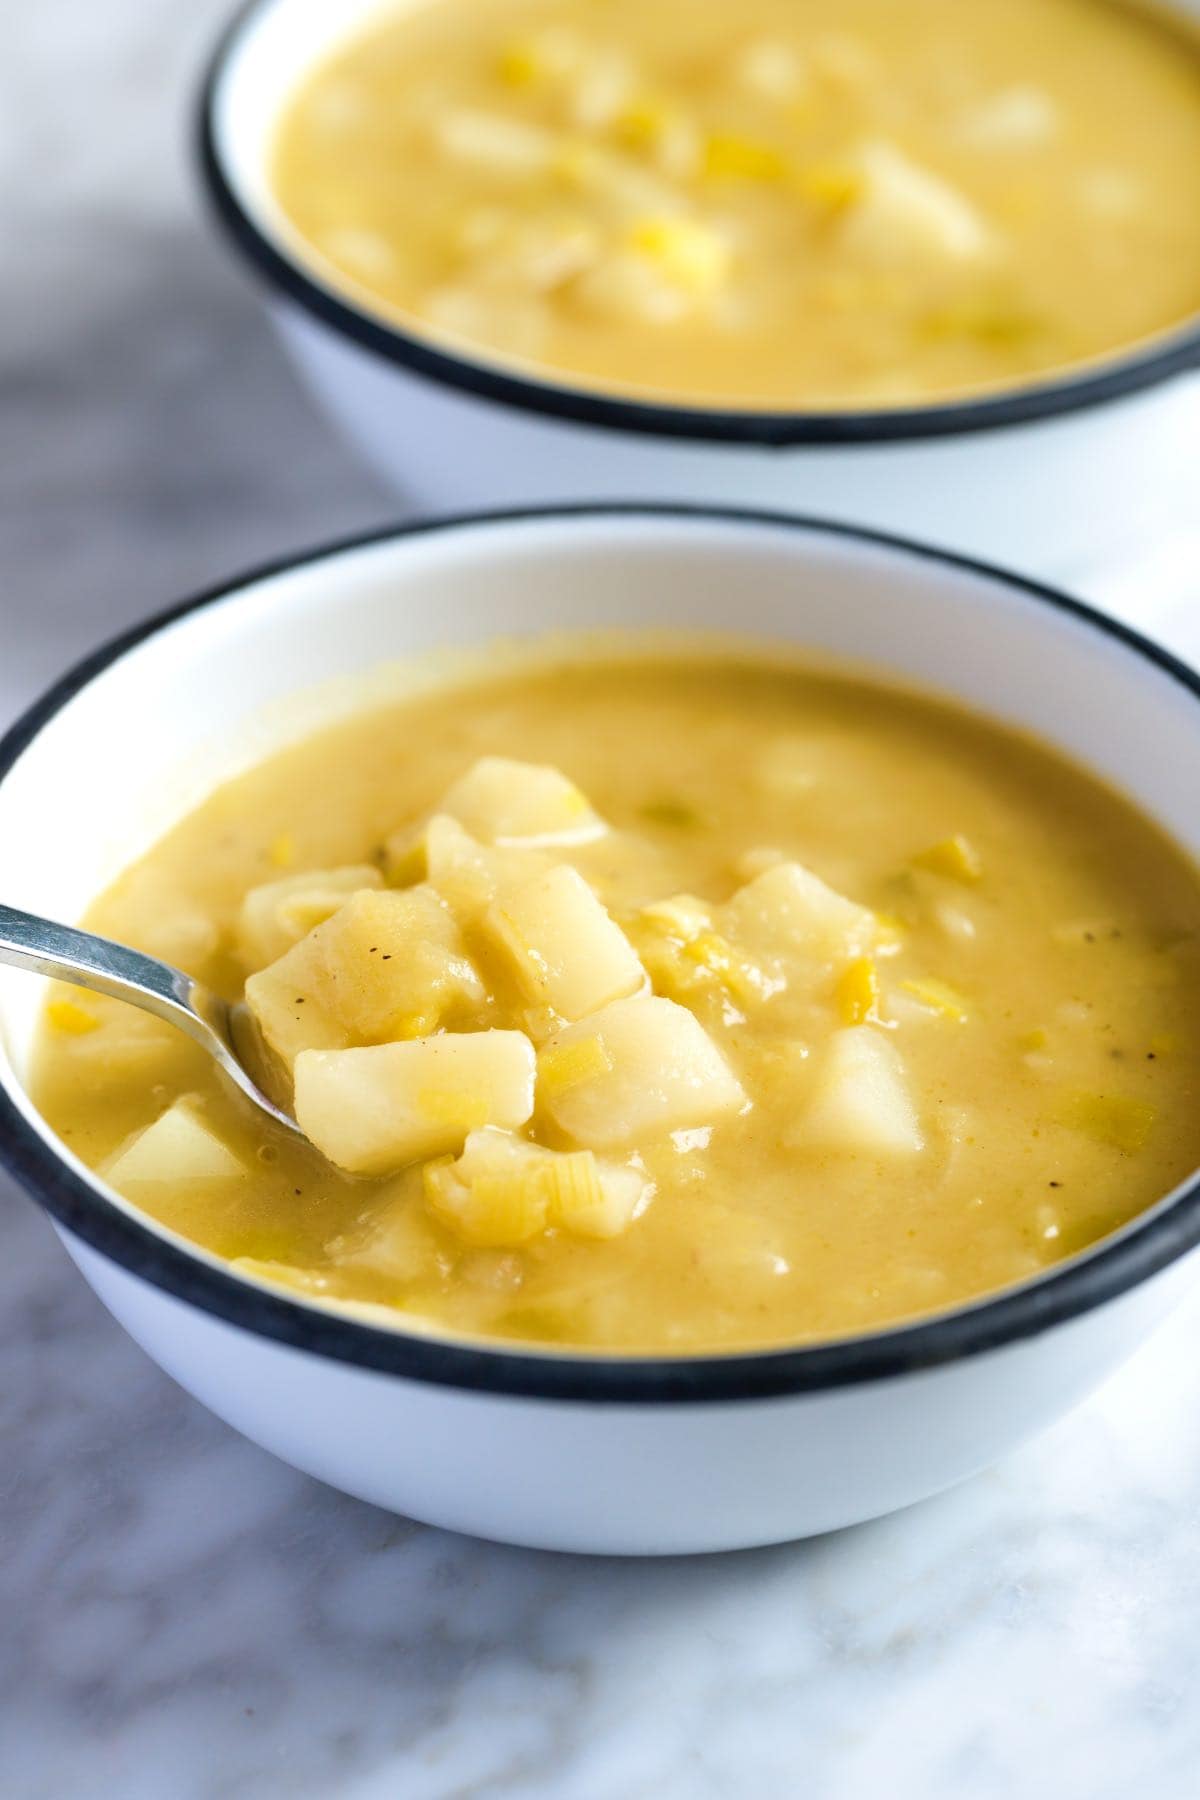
x=672 y=1004
x=783 y=204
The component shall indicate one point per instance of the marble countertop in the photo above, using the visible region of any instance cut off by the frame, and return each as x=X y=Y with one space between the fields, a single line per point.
x=182 y=1616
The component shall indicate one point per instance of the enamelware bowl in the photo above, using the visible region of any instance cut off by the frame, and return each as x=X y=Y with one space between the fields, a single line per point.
x=1064 y=475
x=580 y=1451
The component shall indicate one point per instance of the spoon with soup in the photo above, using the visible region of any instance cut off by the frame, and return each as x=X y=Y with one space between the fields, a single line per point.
x=65 y=953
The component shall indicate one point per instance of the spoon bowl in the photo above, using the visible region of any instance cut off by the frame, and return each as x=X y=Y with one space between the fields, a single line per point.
x=65 y=953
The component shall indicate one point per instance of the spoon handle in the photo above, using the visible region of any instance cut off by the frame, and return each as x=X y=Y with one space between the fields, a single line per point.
x=48 y=948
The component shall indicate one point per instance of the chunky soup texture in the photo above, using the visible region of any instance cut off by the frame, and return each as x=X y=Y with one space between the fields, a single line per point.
x=783 y=203
x=671 y=1004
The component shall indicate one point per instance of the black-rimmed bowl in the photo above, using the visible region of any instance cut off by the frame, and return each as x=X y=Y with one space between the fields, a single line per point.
x=1060 y=475
x=577 y=1450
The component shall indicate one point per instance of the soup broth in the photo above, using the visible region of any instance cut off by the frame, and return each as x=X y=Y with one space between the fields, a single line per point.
x=782 y=204
x=672 y=1004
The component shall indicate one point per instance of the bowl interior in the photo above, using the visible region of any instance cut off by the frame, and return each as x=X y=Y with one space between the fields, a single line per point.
x=195 y=701
x=132 y=741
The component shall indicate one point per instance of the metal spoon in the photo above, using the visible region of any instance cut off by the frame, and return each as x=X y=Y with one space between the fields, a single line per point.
x=81 y=957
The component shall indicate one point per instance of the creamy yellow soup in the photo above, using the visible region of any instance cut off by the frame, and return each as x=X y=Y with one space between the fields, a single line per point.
x=783 y=203
x=672 y=1004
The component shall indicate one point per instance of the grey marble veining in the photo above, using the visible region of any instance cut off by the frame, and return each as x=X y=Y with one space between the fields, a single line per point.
x=183 y=1618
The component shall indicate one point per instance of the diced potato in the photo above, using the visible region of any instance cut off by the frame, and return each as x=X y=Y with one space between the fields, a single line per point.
x=565 y=950
x=365 y=253
x=602 y=88
x=771 y=70
x=503 y=1190
x=483 y=310
x=689 y=255
x=757 y=861
x=282 y=999
x=466 y=873
x=955 y=857
x=377 y=1108
x=1017 y=118
x=494 y=143
x=904 y=213
x=668 y=268
x=860 y=1103
x=730 y=1245
x=622 y=184
x=665 y=1074
x=386 y=965
x=788 y=911
x=178 y=1147
x=891 y=932
x=529 y=805
x=954 y=923
x=278 y=914
x=392 y=959
x=125 y=1044
x=176 y=930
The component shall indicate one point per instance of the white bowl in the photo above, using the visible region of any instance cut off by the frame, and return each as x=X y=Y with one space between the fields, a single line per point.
x=580 y=1451
x=1062 y=476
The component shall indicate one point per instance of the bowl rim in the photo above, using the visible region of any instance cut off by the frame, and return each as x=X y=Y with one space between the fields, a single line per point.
x=1142 y=1248
x=1174 y=351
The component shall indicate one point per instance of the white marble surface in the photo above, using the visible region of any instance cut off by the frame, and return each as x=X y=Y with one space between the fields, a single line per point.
x=182 y=1617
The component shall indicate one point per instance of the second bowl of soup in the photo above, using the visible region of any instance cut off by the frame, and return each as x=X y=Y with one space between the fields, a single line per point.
x=798 y=226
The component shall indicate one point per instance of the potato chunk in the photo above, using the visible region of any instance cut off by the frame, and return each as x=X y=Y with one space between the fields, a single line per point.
x=503 y=1190
x=1016 y=118
x=657 y=1071
x=278 y=914
x=467 y=874
x=504 y=802
x=177 y=1147
x=564 y=949
x=283 y=1001
x=860 y=1103
x=374 y=1109
x=788 y=913
x=902 y=213
x=500 y=146
x=386 y=965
